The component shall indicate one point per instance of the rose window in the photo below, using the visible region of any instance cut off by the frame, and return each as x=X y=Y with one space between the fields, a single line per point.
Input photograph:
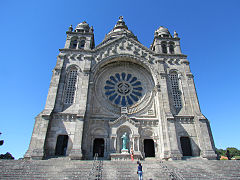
x=123 y=89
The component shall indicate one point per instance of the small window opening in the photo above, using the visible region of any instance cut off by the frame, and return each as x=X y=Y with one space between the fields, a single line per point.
x=171 y=49
x=82 y=44
x=74 y=44
x=164 y=48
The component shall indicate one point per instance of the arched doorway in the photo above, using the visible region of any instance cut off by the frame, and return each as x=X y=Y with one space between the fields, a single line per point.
x=186 y=146
x=98 y=147
x=149 y=149
x=61 y=146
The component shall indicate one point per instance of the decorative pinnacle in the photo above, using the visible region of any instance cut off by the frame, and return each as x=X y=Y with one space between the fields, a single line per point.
x=120 y=18
x=175 y=35
x=120 y=24
x=70 y=29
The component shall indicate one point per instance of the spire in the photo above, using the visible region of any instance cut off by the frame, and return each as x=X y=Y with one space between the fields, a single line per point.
x=120 y=24
x=119 y=30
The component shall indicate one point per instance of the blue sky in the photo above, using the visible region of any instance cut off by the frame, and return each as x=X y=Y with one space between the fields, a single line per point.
x=33 y=31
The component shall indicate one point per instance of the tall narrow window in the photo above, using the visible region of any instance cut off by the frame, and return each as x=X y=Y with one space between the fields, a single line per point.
x=175 y=90
x=74 y=43
x=171 y=48
x=82 y=44
x=164 y=47
x=70 y=86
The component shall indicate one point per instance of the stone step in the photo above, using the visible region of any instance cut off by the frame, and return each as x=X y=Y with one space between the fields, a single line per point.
x=53 y=169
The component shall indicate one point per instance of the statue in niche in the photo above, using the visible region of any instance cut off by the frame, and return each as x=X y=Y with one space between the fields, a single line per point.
x=124 y=141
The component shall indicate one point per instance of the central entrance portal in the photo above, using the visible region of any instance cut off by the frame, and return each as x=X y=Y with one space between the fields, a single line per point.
x=186 y=146
x=98 y=147
x=149 y=149
x=61 y=146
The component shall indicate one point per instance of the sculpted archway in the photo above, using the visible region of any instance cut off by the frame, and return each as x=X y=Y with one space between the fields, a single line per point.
x=121 y=130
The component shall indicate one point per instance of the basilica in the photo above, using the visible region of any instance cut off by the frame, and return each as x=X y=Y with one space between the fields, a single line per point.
x=120 y=88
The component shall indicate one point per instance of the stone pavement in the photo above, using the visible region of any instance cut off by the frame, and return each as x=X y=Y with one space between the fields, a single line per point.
x=62 y=168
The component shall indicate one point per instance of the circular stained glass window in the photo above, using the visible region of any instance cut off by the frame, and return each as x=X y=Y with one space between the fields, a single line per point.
x=123 y=89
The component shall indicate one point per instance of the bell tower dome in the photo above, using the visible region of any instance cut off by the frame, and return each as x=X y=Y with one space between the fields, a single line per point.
x=164 y=43
x=81 y=38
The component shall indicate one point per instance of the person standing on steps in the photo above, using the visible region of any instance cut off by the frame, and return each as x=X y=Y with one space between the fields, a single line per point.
x=139 y=171
x=132 y=153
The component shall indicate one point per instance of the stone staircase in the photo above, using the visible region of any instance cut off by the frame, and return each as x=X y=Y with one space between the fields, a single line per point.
x=63 y=168
x=123 y=170
x=204 y=169
x=53 y=169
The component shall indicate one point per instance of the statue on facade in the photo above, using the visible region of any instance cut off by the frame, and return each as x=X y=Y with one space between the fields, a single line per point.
x=124 y=141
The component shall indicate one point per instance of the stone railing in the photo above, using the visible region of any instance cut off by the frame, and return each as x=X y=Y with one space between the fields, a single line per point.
x=97 y=168
x=173 y=175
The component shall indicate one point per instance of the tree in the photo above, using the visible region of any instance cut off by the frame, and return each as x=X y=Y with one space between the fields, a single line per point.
x=221 y=152
x=6 y=156
x=234 y=151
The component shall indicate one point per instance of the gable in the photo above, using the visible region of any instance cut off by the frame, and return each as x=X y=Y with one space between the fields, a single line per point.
x=121 y=46
x=123 y=120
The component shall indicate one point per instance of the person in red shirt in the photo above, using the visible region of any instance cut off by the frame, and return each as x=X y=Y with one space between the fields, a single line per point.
x=132 y=153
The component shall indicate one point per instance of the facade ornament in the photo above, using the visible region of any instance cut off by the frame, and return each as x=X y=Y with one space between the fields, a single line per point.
x=175 y=35
x=120 y=18
x=91 y=29
x=70 y=29
x=124 y=141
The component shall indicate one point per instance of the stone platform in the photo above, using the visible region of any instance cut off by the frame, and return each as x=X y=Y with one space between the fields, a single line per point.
x=125 y=156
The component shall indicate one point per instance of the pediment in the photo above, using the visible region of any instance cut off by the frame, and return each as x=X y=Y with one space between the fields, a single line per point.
x=124 y=45
x=122 y=120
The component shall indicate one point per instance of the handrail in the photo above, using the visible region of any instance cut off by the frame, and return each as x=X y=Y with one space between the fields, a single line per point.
x=96 y=171
x=174 y=175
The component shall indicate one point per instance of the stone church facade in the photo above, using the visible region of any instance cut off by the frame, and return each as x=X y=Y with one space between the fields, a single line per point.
x=98 y=93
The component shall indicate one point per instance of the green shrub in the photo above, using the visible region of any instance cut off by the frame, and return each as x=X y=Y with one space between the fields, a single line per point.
x=237 y=157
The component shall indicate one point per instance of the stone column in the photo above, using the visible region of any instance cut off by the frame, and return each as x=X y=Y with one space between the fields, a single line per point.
x=177 y=49
x=158 y=46
x=36 y=146
x=133 y=142
x=168 y=48
x=105 y=147
x=81 y=106
x=164 y=110
x=76 y=152
x=54 y=85
x=192 y=94
x=114 y=144
x=138 y=143
x=174 y=148
x=68 y=40
x=207 y=148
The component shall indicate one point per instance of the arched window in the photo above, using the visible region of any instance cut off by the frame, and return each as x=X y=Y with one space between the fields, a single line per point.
x=82 y=44
x=176 y=93
x=153 y=48
x=164 y=47
x=70 y=86
x=74 y=43
x=171 y=47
